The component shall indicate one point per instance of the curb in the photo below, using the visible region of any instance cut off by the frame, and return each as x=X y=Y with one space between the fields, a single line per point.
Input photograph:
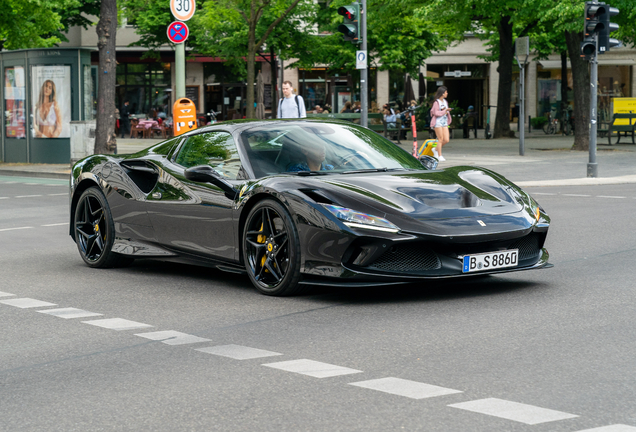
x=38 y=174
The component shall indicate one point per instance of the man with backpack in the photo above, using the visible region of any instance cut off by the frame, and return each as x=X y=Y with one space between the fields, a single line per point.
x=291 y=106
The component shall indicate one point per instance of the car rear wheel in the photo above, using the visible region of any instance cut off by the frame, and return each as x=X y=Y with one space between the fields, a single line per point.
x=271 y=250
x=95 y=231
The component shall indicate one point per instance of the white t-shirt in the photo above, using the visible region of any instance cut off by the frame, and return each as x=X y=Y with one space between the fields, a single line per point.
x=442 y=121
x=287 y=108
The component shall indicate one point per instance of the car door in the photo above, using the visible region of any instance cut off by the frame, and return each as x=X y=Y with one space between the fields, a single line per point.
x=191 y=216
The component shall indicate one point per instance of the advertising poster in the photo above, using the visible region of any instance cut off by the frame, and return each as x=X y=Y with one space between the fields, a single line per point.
x=14 y=102
x=51 y=101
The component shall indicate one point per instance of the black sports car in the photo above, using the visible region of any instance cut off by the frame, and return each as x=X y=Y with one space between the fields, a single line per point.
x=302 y=202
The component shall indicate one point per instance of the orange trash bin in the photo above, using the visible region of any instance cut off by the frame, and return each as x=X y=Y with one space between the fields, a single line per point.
x=184 y=114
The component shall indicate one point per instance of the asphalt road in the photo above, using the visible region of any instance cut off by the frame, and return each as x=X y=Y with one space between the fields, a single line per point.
x=200 y=350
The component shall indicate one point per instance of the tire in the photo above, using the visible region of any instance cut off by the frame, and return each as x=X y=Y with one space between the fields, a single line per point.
x=546 y=128
x=487 y=133
x=567 y=129
x=95 y=231
x=271 y=250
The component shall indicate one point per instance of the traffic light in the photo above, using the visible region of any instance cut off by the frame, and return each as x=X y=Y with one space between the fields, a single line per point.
x=605 y=42
x=591 y=30
x=350 y=26
x=598 y=28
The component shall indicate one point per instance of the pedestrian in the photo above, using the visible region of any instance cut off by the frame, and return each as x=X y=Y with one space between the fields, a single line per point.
x=124 y=120
x=357 y=107
x=347 y=108
x=441 y=119
x=318 y=109
x=291 y=106
x=470 y=122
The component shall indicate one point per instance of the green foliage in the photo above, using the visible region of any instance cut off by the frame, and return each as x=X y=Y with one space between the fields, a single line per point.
x=538 y=122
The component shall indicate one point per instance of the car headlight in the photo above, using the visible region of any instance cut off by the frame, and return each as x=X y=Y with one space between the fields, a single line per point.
x=354 y=219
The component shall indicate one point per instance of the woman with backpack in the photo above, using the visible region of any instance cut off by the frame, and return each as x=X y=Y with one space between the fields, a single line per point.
x=441 y=119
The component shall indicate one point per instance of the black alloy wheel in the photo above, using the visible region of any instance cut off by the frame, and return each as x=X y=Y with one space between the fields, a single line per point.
x=95 y=231
x=271 y=250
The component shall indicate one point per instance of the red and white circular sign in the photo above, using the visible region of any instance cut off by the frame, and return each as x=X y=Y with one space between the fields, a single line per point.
x=182 y=9
x=178 y=32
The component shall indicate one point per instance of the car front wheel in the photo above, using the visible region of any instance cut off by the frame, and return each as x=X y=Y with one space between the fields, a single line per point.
x=95 y=231
x=271 y=250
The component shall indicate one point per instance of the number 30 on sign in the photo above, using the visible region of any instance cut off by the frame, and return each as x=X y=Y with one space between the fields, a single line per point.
x=182 y=9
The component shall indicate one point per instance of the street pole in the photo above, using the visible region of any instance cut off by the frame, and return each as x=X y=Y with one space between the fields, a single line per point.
x=522 y=130
x=364 y=74
x=179 y=64
x=592 y=166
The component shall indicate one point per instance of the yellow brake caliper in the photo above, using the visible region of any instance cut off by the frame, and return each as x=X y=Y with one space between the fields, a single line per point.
x=262 y=238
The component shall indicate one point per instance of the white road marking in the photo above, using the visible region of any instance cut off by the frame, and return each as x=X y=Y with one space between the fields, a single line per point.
x=58 y=194
x=5 y=294
x=27 y=196
x=515 y=411
x=68 y=313
x=238 y=352
x=612 y=428
x=171 y=337
x=577 y=195
x=4 y=197
x=17 y=228
x=542 y=193
x=312 y=368
x=56 y=224
x=407 y=388
x=117 y=324
x=31 y=184
x=24 y=303
x=610 y=196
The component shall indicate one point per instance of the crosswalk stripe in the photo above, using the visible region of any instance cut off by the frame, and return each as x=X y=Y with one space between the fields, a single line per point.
x=24 y=303
x=68 y=313
x=515 y=411
x=407 y=388
x=238 y=352
x=171 y=337
x=312 y=368
x=611 y=428
x=117 y=324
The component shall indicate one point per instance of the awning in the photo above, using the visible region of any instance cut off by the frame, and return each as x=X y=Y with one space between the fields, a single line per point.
x=556 y=64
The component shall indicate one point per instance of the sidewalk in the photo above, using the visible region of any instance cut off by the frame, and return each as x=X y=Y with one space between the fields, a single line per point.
x=548 y=160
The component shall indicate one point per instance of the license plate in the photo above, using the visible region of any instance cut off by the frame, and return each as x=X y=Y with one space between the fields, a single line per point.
x=490 y=260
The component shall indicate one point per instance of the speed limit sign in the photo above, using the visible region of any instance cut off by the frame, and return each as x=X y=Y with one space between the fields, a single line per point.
x=182 y=9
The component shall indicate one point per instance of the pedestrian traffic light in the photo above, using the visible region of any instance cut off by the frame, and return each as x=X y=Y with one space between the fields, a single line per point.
x=605 y=42
x=591 y=29
x=350 y=26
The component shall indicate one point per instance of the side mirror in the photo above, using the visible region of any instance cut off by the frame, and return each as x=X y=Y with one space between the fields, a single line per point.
x=207 y=174
x=429 y=162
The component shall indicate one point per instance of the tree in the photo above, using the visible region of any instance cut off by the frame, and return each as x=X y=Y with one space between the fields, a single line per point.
x=105 y=138
x=247 y=17
x=499 y=24
x=29 y=23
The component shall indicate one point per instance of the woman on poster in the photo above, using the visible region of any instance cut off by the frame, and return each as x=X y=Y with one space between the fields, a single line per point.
x=48 y=116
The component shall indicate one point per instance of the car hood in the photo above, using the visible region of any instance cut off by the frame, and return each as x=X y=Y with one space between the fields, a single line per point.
x=447 y=201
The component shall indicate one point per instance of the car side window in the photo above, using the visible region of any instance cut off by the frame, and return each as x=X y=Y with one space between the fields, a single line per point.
x=216 y=149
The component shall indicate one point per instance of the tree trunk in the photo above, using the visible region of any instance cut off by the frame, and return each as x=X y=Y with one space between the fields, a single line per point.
x=564 y=87
x=581 y=78
x=274 y=81
x=251 y=60
x=105 y=138
x=506 y=56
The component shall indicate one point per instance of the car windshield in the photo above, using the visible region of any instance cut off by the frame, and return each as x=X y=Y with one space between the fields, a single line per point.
x=305 y=147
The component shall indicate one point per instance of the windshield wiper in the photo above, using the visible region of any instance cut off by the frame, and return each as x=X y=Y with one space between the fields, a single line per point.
x=372 y=170
x=309 y=173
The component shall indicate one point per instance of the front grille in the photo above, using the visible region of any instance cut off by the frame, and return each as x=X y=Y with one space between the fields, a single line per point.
x=407 y=258
x=528 y=247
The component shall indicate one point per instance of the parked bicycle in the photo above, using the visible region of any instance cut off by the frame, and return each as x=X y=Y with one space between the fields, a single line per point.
x=551 y=126
x=568 y=122
x=487 y=133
